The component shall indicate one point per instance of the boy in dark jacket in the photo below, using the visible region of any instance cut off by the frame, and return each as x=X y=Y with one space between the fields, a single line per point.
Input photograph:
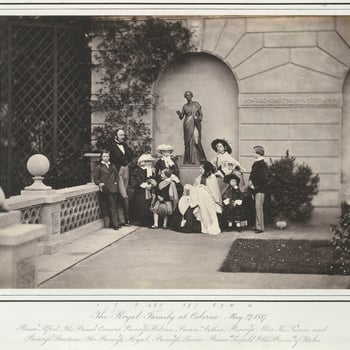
x=258 y=183
x=106 y=177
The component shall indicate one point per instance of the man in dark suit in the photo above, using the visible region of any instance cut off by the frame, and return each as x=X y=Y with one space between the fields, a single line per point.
x=121 y=155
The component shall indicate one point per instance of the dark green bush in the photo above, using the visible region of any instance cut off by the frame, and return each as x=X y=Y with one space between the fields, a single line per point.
x=341 y=234
x=292 y=187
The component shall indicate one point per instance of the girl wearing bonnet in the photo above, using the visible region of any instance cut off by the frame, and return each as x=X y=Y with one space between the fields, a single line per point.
x=166 y=161
x=143 y=183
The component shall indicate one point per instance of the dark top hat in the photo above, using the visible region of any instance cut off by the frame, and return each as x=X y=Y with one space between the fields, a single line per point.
x=227 y=147
x=229 y=177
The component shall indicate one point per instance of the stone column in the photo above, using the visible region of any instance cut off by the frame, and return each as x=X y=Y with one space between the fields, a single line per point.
x=50 y=215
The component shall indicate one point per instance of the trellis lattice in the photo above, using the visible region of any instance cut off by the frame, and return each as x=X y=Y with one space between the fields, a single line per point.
x=3 y=104
x=31 y=215
x=45 y=89
x=73 y=94
x=78 y=211
x=32 y=90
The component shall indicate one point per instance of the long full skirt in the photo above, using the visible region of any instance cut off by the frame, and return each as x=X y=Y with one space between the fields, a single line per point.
x=207 y=210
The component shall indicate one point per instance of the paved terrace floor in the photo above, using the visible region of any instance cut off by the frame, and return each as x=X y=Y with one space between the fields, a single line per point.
x=143 y=258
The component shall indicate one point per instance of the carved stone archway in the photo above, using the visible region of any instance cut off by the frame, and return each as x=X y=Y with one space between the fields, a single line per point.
x=213 y=86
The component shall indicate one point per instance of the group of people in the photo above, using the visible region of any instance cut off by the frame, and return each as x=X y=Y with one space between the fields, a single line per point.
x=218 y=199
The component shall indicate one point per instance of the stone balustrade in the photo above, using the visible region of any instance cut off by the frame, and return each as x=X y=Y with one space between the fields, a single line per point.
x=18 y=251
x=67 y=213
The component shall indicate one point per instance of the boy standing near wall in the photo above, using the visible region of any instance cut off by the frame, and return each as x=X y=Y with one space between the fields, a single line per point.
x=258 y=183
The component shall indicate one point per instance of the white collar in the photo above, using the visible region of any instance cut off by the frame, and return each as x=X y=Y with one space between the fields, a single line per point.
x=149 y=170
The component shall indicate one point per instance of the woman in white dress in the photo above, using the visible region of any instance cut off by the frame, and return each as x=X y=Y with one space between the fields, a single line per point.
x=206 y=194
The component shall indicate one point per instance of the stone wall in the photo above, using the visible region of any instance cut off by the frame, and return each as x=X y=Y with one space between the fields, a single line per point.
x=290 y=73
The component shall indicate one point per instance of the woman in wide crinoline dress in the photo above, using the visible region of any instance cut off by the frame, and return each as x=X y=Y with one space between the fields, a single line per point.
x=206 y=194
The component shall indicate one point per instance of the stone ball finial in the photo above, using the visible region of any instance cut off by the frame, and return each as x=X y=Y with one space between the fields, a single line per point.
x=38 y=165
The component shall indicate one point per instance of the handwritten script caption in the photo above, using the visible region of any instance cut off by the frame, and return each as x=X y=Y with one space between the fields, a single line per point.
x=171 y=324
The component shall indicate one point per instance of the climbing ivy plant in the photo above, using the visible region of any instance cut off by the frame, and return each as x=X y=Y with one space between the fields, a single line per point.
x=131 y=55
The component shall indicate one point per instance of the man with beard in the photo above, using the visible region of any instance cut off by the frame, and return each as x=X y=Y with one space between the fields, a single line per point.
x=121 y=155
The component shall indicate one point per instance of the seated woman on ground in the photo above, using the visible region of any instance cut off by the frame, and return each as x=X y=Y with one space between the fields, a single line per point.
x=206 y=194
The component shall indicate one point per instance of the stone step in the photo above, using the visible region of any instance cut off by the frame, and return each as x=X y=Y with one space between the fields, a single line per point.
x=9 y=218
x=15 y=235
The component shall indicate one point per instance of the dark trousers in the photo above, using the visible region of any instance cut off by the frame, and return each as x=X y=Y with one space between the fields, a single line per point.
x=249 y=208
x=109 y=208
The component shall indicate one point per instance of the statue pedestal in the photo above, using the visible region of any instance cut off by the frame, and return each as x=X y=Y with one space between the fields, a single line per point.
x=188 y=172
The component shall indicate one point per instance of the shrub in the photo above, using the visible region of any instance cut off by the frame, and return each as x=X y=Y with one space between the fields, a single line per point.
x=341 y=234
x=292 y=187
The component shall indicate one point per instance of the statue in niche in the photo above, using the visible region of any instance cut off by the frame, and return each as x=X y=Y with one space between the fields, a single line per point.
x=192 y=115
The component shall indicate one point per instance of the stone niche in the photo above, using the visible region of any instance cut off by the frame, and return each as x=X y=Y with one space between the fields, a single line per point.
x=214 y=87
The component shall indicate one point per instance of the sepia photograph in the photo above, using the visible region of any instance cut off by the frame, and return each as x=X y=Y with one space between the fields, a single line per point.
x=175 y=151
x=174 y=175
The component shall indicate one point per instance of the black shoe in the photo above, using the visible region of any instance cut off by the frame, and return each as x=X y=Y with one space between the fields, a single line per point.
x=116 y=227
x=258 y=231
